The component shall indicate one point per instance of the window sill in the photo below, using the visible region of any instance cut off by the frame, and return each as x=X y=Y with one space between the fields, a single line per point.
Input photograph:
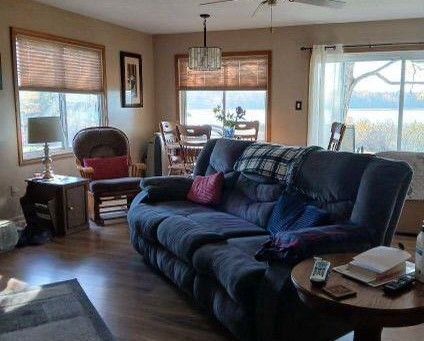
x=35 y=160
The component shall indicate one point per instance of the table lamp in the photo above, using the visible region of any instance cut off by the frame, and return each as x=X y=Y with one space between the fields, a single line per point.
x=45 y=130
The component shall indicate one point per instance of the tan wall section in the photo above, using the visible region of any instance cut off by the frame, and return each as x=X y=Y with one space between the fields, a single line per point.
x=137 y=123
x=290 y=65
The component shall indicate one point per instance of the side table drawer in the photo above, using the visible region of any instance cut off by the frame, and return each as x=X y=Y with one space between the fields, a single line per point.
x=76 y=208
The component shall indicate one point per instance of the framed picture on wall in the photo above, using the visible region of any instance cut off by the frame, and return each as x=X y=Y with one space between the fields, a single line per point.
x=131 y=80
x=1 y=79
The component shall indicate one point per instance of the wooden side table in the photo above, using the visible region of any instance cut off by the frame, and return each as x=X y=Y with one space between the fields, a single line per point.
x=369 y=311
x=66 y=197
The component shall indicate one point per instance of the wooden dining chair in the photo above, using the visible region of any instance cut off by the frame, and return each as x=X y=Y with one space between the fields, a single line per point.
x=172 y=147
x=192 y=139
x=246 y=130
x=337 y=133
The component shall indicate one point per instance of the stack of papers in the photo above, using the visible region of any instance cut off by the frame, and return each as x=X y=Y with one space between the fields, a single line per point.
x=378 y=266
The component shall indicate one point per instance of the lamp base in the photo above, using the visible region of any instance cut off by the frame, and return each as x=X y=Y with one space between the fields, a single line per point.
x=48 y=175
x=47 y=162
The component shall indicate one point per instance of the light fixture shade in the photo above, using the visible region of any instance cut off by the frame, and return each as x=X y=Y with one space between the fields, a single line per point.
x=44 y=129
x=205 y=58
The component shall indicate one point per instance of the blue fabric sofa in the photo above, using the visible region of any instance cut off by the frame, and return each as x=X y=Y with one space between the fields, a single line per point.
x=208 y=253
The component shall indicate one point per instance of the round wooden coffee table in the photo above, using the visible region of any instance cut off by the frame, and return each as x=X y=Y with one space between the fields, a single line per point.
x=369 y=311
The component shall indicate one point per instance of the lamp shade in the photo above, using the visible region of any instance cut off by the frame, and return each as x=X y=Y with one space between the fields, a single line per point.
x=44 y=129
x=205 y=58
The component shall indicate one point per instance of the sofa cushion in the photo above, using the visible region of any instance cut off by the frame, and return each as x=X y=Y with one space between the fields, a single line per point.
x=331 y=181
x=184 y=235
x=225 y=154
x=207 y=190
x=115 y=185
x=234 y=267
x=252 y=198
x=144 y=219
x=226 y=224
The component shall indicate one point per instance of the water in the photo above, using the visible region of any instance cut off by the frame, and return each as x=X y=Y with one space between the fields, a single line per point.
x=379 y=115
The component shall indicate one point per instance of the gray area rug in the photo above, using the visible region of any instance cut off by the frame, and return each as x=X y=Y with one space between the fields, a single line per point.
x=57 y=311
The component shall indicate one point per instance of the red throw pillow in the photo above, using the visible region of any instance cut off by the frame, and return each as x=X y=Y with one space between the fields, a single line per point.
x=108 y=167
x=207 y=190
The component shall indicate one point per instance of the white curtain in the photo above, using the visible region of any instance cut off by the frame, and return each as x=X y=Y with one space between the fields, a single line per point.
x=325 y=93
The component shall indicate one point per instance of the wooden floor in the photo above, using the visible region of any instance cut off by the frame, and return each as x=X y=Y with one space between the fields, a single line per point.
x=135 y=303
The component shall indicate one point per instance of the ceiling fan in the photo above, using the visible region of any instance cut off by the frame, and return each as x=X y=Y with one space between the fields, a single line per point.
x=272 y=3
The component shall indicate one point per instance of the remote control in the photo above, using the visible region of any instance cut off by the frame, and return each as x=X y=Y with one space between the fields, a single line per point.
x=400 y=285
x=320 y=271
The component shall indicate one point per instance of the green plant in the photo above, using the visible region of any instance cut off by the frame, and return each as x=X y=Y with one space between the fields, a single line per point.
x=229 y=119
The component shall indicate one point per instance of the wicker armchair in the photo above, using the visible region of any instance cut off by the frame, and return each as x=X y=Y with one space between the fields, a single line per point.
x=107 y=197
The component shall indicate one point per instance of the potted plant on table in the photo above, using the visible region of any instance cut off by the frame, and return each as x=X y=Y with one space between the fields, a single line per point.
x=229 y=119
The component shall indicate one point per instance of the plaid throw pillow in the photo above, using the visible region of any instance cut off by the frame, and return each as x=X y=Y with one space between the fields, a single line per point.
x=272 y=160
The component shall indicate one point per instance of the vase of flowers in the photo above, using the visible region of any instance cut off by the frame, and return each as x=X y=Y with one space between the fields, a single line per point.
x=229 y=119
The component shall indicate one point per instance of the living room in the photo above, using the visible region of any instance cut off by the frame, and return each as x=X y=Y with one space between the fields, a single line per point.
x=294 y=47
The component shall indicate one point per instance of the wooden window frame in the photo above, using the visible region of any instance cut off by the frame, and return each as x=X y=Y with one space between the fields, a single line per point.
x=13 y=33
x=268 y=53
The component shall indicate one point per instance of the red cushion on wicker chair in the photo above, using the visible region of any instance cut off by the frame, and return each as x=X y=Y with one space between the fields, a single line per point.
x=207 y=190
x=108 y=167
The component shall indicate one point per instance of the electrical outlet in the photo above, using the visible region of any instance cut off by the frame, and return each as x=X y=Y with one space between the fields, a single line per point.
x=298 y=105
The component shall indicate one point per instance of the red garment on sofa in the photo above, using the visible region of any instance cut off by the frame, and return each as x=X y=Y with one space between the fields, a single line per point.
x=108 y=167
x=207 y=190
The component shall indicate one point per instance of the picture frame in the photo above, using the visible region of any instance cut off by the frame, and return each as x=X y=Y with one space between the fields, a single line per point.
x=1 y=76
x=131 y=80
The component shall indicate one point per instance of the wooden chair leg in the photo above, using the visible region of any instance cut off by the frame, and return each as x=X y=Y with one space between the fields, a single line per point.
x=94 y=208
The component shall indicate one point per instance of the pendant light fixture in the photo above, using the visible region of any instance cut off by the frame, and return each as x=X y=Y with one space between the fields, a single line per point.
x=205 y=58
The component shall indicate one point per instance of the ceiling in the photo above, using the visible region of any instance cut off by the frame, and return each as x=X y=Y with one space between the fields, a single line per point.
x=175 y=16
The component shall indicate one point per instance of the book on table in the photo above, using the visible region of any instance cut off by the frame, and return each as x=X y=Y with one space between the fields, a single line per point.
x=378 y=266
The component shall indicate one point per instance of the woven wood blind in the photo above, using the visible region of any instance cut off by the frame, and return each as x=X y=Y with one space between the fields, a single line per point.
x=45 y=64
x=244 y=72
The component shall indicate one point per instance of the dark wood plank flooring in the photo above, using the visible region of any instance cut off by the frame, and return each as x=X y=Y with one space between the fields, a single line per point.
x=136 y=303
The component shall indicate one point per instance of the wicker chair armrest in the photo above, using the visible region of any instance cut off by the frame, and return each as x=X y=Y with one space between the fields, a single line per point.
x=137 y=170
x=86 y=172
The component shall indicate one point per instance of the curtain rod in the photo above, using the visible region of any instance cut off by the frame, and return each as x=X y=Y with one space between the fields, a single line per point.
x=370 y=46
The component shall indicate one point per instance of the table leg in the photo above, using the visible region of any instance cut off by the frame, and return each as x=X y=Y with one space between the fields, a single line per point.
x=367 y=333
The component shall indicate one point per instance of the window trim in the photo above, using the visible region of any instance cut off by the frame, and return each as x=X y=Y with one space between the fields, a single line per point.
x=13 y=33
x=268 y=53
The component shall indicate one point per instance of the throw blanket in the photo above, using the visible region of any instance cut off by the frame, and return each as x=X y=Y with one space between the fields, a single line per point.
x=271 y=160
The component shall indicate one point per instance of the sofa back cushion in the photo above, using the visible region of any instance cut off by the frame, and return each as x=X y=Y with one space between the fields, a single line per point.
x=330 y=180
x=225 y=155
x=251 y=198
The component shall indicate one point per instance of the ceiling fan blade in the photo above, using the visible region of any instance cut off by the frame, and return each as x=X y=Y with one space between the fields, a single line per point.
x=260 y=6
x=216 y=2
x=322 y=3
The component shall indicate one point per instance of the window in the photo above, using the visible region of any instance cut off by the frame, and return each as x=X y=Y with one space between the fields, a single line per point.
x=380 y=96
x=57 y=77
x=243 y=82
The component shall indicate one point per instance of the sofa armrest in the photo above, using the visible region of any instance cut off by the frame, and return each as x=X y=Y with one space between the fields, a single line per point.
x=292 y=247
x=169 y=182
x=163 y=188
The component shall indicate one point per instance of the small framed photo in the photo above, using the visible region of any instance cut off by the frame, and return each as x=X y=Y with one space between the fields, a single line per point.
x=131 y=80
x=1 y=78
